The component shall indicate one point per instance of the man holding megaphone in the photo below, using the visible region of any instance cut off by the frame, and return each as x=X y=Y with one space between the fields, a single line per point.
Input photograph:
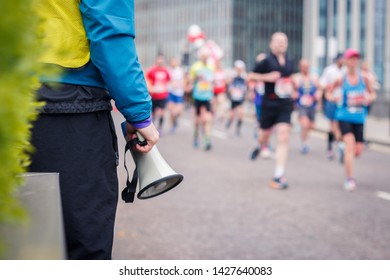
x=92 y=43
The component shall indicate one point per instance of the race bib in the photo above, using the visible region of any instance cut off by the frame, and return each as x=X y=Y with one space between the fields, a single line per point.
x=355 y=102
x=306 y=100
x=284 y=87
x=204 y=86
x=237 y=93
x=355 y=99
x=160 y=87
x=260 y=88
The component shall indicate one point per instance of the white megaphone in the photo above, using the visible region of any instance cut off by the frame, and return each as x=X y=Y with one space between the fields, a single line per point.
x=152 y=172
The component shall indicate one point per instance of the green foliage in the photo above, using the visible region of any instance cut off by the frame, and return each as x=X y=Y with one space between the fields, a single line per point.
x=19 y=71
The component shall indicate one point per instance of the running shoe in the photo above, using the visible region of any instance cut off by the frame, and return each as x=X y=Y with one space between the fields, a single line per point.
x=195 y=143
x=173 y=128
x=341 y=147
x=228 y=124
x=350 y=185
x=266 y=153
x=255 y=153
x=207 y=146
x=304 y=149
x=279 y=183
x=330 y=155
x=256 y=133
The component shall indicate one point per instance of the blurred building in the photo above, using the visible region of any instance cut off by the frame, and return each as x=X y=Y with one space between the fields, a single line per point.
x=317 y=29
x=241 y=27
x=331 y=26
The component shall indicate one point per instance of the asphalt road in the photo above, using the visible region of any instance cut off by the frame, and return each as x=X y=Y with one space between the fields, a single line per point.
x=225 y=210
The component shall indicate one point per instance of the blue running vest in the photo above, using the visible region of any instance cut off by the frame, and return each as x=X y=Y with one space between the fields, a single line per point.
x=351 y=107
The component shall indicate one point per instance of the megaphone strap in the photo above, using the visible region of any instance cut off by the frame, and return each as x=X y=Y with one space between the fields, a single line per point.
x=128 y=192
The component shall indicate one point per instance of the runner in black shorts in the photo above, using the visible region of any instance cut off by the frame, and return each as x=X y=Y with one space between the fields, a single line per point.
x=275 y=71
x=351 y=113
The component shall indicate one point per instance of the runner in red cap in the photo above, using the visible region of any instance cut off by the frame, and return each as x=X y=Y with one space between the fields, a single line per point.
x=351 y=112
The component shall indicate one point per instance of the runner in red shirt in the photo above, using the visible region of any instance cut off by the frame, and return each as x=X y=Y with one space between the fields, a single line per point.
x=158 y=80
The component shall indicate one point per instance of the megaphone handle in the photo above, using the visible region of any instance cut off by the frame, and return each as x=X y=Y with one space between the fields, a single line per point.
x=141 y=139
x=128 y=192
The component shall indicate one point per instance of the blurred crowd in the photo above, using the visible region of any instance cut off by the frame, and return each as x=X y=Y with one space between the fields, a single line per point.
x=275 y=87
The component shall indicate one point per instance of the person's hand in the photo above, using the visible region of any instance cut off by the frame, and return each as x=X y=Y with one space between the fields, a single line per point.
x=150 y=134
x=336 y=99
x=273 y=76
x=368 y=99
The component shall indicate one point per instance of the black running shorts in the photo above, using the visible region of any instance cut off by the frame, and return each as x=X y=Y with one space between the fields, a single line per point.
x=356 y=129
x=202 y=103
x=159 y=103
x=272 y=115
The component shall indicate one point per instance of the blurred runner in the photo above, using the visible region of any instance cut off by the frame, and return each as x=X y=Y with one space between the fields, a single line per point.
x=356 y=94
x=308 y=93
x=176 y=92
x=275 y=71
x=330 y=74
x=372 y=78
x=158 y=79
x=237 y=90
x=219 y=101
x=257 y=88
x=202 y=77
x=188 y=87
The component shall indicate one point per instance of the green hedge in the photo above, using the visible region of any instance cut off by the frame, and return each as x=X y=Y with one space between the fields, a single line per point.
x=19 y=71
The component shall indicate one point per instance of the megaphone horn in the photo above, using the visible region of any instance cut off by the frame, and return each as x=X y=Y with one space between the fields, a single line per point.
x=154 y=174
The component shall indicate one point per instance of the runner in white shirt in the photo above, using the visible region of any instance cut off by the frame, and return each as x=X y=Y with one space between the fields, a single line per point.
x=330 y=74
x=176 y=92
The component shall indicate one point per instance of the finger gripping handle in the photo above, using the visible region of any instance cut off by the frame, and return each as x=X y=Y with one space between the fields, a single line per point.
x=141 y=139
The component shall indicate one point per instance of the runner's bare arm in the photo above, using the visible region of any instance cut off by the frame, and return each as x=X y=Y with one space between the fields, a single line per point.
x=371 y=94
x=329 y=91
x=267 y=77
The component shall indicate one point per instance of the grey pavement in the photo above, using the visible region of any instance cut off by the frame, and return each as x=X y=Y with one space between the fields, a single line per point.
x=224 y=208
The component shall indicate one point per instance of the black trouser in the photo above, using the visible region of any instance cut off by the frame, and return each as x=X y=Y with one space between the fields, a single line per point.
x=82 y=148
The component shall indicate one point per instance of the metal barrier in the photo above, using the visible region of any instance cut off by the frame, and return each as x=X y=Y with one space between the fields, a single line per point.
x=42 y=237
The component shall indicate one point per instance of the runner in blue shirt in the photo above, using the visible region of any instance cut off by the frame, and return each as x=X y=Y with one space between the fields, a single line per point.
x=237 y=90
x=356 y=94
x=308 y=93
x=202 y=78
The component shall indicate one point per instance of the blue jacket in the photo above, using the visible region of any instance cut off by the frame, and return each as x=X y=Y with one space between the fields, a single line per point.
x=114 y=65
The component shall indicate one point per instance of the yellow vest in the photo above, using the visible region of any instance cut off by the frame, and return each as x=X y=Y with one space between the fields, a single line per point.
x=64 y=36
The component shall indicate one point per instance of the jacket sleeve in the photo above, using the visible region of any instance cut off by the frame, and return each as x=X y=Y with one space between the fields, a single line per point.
x=110 y=28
